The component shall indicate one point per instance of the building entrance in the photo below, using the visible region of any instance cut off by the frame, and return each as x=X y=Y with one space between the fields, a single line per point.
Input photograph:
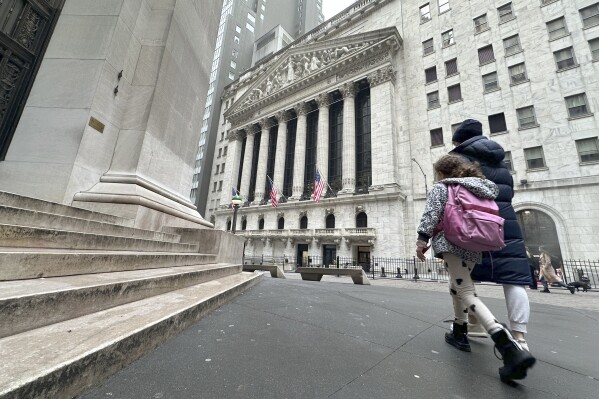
x=539 y=230
x=364 y=258
x=329 y=254
x=302 y=255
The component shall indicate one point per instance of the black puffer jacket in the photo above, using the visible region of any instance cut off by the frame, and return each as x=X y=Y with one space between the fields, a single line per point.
x=510 y=265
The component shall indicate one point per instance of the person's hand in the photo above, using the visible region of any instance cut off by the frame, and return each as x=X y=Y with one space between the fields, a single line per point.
x=421 y=248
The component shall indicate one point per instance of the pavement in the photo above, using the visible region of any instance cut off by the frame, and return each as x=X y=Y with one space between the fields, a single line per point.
x=333 y=339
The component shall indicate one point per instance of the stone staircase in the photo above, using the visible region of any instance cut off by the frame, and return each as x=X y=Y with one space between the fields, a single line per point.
x=83 y=294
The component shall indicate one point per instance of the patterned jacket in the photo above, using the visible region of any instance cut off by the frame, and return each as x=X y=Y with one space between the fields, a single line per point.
x=435 y=208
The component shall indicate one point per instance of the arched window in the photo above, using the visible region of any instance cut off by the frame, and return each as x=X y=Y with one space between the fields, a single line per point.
x=304 y=222
x=330 y=222
x=281 y=224
x=361 y=220
x=261 y=224
x=228 y=225
x=244 y=224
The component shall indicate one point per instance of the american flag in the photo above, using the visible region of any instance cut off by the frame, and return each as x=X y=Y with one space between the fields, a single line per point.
x=273 y=194
x=318 y=186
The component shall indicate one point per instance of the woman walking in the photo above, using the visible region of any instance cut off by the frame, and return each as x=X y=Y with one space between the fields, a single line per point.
x=451 y=170
x=548 y=274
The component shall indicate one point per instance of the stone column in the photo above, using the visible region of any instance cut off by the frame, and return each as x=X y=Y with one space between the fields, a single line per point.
x=232 y=160
x=322 y=155
x=382 y=104
x=349 y=139
x=279 y=173
x=265 y=124
x=300 y=152
x=247 y=162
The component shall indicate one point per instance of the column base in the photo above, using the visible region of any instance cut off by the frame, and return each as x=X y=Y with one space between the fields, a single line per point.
x=346 y=192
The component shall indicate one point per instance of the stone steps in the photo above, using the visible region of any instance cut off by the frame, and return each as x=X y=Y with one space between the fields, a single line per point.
x=31 y=218
x=30 y=304
x=28 y=237
x=19 y=201
x=29 y=263
x=63 y=359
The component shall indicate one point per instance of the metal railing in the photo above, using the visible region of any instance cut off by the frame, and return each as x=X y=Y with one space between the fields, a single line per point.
x=584 y=271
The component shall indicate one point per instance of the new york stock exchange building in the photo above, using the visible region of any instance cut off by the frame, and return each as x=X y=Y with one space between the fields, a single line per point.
x=369 y=101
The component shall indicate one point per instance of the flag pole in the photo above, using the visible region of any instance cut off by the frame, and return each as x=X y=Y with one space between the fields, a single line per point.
x=273 y=184
x=325 y=180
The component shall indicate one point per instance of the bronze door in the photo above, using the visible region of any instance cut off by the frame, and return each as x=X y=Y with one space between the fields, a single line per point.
x=25 y=30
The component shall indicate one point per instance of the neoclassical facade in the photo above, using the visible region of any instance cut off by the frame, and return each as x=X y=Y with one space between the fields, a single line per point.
x=370 y=100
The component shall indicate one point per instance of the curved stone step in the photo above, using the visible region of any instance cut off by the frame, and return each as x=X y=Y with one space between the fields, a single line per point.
x=30 y=237
x=30 y=218
x=64 y=359
x=28 y=263
x=29 y=304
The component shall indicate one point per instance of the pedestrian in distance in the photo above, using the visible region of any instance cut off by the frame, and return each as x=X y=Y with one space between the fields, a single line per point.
x=548 y=272
x=455 y=170
x=508 y=266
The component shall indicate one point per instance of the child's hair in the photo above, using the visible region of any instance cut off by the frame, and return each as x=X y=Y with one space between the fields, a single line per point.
x=452 y=166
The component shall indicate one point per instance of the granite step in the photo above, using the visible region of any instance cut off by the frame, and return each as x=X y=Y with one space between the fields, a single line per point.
x=34 y=204
x=28 y=263
x=29 y=304
x=30 y=218
x=62 y=360
x=30 y=237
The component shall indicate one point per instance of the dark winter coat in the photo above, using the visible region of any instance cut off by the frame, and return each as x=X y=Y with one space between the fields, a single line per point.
x=510 y=265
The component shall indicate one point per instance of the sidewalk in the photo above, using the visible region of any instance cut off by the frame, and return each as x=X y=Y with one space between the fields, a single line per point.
x=332 y=339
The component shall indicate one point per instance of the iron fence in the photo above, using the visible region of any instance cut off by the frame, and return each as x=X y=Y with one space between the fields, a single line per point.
x=584 y=271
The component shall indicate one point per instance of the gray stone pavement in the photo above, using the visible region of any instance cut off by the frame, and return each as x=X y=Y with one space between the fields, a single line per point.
x=333 y=339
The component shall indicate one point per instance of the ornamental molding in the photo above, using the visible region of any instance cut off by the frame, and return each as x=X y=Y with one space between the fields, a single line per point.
x=302 y=67
x=235 y=135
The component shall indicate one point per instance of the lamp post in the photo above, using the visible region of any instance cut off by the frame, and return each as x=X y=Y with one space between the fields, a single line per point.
x=425 y=185
x=235 y=201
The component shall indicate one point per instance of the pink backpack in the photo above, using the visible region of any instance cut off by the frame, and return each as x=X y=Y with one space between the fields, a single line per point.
x=471 y=222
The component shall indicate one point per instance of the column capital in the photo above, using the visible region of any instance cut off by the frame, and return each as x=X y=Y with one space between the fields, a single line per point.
x=323 y=100
x=349 y=90
x=235 y=135
x=301 y=108
x=266 y=123
x=250 y=129
x=385 y=74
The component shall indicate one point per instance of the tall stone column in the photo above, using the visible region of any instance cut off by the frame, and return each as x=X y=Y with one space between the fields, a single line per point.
x=279 y=174
x=382 y=103
x=233 y=159
x=322 y=154
x=247 y=162
x=349 y=139
x=265 y=124
x=301 y=110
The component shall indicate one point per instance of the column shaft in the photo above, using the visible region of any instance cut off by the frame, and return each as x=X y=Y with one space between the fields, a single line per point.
x=300 y=152
x=322 y=154
x=349 y=139
x=231 y=172
x=262 y=162
x=247 y=164
x=279 y=173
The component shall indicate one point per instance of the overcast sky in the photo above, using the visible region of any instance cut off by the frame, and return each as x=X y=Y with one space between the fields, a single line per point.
x=332 y=7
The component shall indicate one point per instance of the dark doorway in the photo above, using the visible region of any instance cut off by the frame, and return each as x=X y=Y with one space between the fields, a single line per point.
x=302 y=255
x=539 y=229
x=361 y=220
x=25 y=30
x=304 y=222
x=364 y=258
x=330 y=222
x=329 y=254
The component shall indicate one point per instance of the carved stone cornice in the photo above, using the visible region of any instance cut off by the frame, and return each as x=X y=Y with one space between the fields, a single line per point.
x=280 y=215
x=348 y=90
x=359 y=209
x=301 y=109
x=323 y=100
x=385 y=74
x=329 y=211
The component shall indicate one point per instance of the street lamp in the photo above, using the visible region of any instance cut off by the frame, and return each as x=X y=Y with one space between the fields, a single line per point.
x=235 y=201
x=425 y=186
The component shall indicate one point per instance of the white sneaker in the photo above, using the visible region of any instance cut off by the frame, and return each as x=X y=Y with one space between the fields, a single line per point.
x=476 y=330
x=523 y=344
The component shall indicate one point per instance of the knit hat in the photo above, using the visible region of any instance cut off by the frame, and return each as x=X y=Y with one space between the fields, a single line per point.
x=468 y=129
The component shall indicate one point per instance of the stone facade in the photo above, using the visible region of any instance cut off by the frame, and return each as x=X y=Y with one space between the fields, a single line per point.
x=382 y=42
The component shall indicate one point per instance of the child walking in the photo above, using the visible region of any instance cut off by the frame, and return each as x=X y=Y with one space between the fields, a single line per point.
x=449 y=170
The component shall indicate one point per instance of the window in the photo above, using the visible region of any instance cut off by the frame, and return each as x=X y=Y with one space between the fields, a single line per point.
x=594 y=45
x=261 y=224
x=433 y=99
x=518 y=74
x=244 y=224
x=451 y=67
x=490 y=82
x=436 y=137
x=220 y=152
x=481 y=24
x=235 y=53
x=361 y=220
x=526 y=117
x=251 y=18
x=497 y=123
x=220 y=185
x=430 y=74
x=447 y=38
x=443 y=6
x=564 y=58
x=485 y=55
x=217 y=169
x=330 y=221
x=588 y=149
x=281 y=224
x=425 y=13
x=577 y=105
x=427 y=47
x=557 y=28
x=222 y=168
x=545 y=2
x=249 y=27
x=214 y=187
x=455 y=93
x=534 y=157
x=233 y=64
x=225 y=150
x=231 y=76
x=237 y=29
x=454 y=127
x=512 y=45
x=505 y=13
x=304 y=222
x=590 y=15
x=236 y=39
x=507 y=160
